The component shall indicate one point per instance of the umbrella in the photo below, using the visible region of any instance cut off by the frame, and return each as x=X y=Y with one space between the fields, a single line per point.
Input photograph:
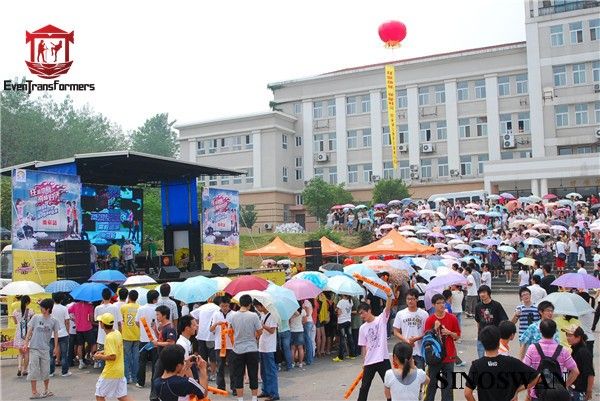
x=394 y=202
x=564 y=202
x=336 y=207
x=406 y=201
x=263 y=297
x=142 y=294
x=440 y=245
x=526 y=261
x=456 y=241
x=401 y=265
x=452 y=254
x=318 y=279
x=392 y=216
x=342 y=285
x=480 y=227
x=493 y=197
x=541 y=226
x=595 y=207
x=108 y=276
x=376 y=263
x=407 y=227
x=378 y=292
x=463 y=247
x=472 y=205
x=558 y=223
x=195 y=289
x=563 y=210
x=427 y=274
x=268 y=261
x=172 y=284
x=89 y=292
x=62 y=286
x=573 y=195
x=360 y=269
x=380 y=206
x=386 y=227
x=479 y=250
x=531 y=220
x=360 y=207
x=494 y=214
x=246 y=283
x=566 y=303
x=507 y=249
x=284 y=262
x=480 y=213
x=490 y=242
x=577 y=280
x=348 y=206
x=506 y=195
x=444 y=281
x=535 y=233
x=549 y=196
x=333 y=266
x=303 y=289
x=471 y=257
x=285 y=300
x=436 y=235
x=533 y=242
x=448 y=228
x=139 y=280
x=24 y=287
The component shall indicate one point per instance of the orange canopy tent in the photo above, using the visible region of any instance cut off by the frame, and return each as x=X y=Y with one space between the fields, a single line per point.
x=277 y=247
x=330 y=248
x=393 y=243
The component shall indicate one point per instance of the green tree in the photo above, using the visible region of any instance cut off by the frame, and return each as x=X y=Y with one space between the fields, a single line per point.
x=152 y=214
x=319 y=196
x=389 y=189
x=6 y=202
x=247 y=216
x=156 y=137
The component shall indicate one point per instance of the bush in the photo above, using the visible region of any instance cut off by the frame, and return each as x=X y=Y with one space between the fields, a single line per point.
x=323 y=231
x=366 y=237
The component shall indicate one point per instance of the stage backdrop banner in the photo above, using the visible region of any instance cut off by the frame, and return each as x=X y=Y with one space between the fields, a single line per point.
x=220 y=219
x=38 y=266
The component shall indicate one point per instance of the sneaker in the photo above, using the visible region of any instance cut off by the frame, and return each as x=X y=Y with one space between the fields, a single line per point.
x=337 y=359
x=300 y=365
x=138 y=385
x=81 y=365
x=352 y=357
x=51 y=375
x=66 y=374
x=461 y=364
x=130 y=381
x=212 y=378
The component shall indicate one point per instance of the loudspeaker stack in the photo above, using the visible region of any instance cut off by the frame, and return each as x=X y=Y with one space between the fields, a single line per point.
x=314 y=257
x=73 y=260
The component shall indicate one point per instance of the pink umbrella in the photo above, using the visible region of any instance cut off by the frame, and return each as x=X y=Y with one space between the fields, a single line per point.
x=303 y=289
x=436 y=235
x=563 y=210
x=506 y=195
x=246 y=283
x=549 y=196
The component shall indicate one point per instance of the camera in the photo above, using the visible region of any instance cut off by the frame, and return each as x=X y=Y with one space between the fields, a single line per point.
x=193 y=359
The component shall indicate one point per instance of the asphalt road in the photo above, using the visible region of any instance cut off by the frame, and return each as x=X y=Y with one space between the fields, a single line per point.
x=324 y=380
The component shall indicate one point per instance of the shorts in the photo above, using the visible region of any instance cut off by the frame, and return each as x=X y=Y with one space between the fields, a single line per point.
x=206 y=349
x=85 y=337
x=509 y=267
x=111 y=388
x=330 y=330
x=297 y=338
x=39 y=364
x=560 y=263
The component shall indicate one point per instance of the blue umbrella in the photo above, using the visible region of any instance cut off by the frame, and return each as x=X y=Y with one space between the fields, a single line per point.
x=89 y=292
x=468 y=259
x=494 y=214
x=406 y=201
x=317 y=278
x=344 y=286
x=108 y=276
x=448 y=228
x=284 y=300
x=361 y=269
x=61 y=286
x=331 y=273
x=479 y=250
x=195 y=289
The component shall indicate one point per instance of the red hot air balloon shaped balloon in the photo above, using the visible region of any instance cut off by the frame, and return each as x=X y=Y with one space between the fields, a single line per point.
x=392 y=33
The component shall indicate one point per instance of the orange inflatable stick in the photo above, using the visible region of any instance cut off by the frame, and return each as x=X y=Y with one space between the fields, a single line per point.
x=217 y=391
x=348 y=392
x=367 y=280
x=223 y=351
x=147 y=328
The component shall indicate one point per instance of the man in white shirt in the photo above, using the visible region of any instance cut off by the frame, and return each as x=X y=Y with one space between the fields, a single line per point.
x=105 y=307
x=486 y=276
x=472 y=296
x=344 y=315
x=409 y=324
x=165 y=291
x=206 y=339
x=147 y=351
x=581 y=269
x=128 y=251
x=267 y=346
x=222 y=319
x=61 y=314
x=537 y=292
x=573 y=246
x=187 y=329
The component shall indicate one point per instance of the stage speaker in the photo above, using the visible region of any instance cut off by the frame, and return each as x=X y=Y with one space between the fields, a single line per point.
x=79 y=273
x=77 y=245
x=313 y=254
x=168 y=272
x=166 y=260
x=219 y=269
x=73 y=258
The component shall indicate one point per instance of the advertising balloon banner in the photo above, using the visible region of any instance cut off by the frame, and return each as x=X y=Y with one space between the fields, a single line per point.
x=220 y=227
x=390 y=87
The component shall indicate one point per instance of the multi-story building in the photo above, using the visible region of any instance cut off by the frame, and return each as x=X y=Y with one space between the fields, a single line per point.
x=521 y=117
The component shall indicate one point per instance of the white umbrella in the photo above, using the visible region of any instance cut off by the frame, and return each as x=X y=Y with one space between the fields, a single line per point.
x=493 y=197
x=480 y=227
x=541 y=226
x=533 y=241
x=531 y=221
x=392 y=216
x=263 y=297
x=139 y=280
x=506 y=248
x=221 y=282
x=454 y=242
x=440 y=245
x=407 y=233
x=284 y=262
x=517 y=223
x=407 y=227
x=344 y=285
x=573 y=195
x=22 y=288
x=566 y=303
x=535 y=233
x=423 y=231
x=463 y=247
x=559 y=228
x=452 y=236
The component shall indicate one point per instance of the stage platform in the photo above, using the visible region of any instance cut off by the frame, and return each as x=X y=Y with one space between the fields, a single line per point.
x=231 y=273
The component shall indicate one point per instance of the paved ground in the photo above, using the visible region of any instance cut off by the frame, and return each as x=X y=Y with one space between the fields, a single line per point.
x=324 y=380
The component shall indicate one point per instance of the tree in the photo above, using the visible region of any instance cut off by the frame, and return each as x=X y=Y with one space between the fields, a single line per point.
x=247 y=216
x=6 y=203
x=156 y=137
x=389 y=189
x=319 y=196
x=152 y=213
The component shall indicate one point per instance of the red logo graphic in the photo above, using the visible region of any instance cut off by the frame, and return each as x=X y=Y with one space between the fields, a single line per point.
x=49 y=51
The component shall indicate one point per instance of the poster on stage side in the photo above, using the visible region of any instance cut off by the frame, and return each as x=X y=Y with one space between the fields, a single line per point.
x=37 y=266
x=220 y=227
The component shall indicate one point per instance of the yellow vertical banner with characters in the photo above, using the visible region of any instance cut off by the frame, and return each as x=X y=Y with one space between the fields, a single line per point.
x=390 y=87
x=220 y=227
x=38 y=266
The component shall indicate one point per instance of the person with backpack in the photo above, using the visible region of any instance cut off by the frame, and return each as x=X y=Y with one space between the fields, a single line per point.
x=492 y=375
x=404 y=380
x=584 y=384
x=551 y=360
x=409 y=324
x=532 y=333
x=438 y=349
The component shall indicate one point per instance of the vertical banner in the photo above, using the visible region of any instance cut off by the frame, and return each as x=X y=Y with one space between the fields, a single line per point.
x=220 y=225
x=390 y=87
x=46 y=209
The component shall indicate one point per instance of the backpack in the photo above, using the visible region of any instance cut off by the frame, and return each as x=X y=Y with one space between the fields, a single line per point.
x=551 y=374
x=432 y=348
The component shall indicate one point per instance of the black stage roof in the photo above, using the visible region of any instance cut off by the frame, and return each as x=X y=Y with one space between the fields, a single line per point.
x=127 y=168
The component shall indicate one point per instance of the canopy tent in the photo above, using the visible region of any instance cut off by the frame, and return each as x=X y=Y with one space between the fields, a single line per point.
x=277 y=247
x=330 y=248
x=393 y=243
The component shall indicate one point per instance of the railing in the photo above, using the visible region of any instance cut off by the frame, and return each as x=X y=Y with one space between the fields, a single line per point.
x=562 y=8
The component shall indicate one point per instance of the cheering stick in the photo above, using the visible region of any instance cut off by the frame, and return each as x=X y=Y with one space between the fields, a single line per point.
x=224 y=330
x=348 y=392
x=148 y=346
x=367 y=280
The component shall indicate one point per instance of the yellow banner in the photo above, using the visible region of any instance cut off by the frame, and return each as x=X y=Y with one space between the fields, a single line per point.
x=390 y=86
x=37 y=266
x=276 y=277
x=7 y=335
x=230 y=255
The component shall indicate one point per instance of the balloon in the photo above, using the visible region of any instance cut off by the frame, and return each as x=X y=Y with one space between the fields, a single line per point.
x=392 y=33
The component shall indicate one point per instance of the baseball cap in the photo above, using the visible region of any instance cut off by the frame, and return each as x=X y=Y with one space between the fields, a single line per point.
x=106 y=318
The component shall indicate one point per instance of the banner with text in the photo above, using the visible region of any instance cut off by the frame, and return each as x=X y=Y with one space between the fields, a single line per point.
x=220 y=227
x=390 y=87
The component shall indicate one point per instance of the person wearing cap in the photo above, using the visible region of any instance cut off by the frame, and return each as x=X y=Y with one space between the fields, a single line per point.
x=112 y=382
x=582 y=388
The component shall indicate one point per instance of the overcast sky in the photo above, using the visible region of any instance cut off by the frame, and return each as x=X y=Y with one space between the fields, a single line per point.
x=201 y=60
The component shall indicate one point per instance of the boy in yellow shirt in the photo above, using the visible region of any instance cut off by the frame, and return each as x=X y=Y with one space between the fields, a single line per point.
x=131 y=336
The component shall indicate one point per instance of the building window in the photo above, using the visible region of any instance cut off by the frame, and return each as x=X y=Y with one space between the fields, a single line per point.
x=284 y=174
x=365 y=104
x=297 y=108
x=367 y=172
x=333 y=175
x=236 y=143
x=366 y=137
x=224 y=144
x=402 y=136
x=443 y=167
x=331 y=108
x=597 y=112
x=425 y=168
x=351 y=105
x=352 y=174
x=284 y=141
x=237 y=179
x=298 y=162
x=462 y=91
x=401 y=99
x=299 y=200
x=425 y=132
x=352 y=139
x=201 y=150
x=332 y=142
x=523 y=122
x=503 y=86
x=482 y=126
x=464 y=127
x=581 y=114
x=317 y=110
x=556 y=36
x=480 y=160
x=383 y=101
x=404 y=170
x=388 y=170
x=506 y=155
x=249 y=175
x=596 y=71
x=423 y=96
x=525 y=154
x=318 y=143
x=224 y=180
x=595 y=29
x=386 y=138
x=440 y=94
x=576 y=31
x=578 y=74
x=212 y=180
x=560 y=75
x=318 y=173
x=298 y=174
x=480 y=89
x=212 y=146
x=249 y=144
x=442 y=130
x=522 y=84
x=505 y=123
x=298 y=140
x=465 y=165
x=561 y=114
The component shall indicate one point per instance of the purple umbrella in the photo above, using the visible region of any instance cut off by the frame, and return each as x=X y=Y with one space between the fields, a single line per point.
x=453 y=254
x=380 y=206
x=577 y=280
x=303 y=289
x=445 y=281
x=506 y=195
x=436 y=235
x=490 y=242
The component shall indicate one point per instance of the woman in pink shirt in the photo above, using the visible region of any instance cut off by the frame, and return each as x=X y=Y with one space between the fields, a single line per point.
x=84 y=315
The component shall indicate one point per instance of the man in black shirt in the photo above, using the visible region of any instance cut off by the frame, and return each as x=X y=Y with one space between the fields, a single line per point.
x=487 y=313
x=167 y=335
x=497 y=377
x=177 y=380
x=548 y=279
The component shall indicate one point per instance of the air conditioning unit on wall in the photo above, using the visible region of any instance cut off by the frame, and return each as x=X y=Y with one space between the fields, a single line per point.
x=322 y=157
x=403 y=147
x=508 y=141
x=268 y=226
x=427 y=148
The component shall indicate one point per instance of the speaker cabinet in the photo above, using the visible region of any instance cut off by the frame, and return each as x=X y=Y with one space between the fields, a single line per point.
x=78 y=258
x=219 y=269
x=314 y=256
x=168 y=272
x=79 y=273
x=73 y=246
